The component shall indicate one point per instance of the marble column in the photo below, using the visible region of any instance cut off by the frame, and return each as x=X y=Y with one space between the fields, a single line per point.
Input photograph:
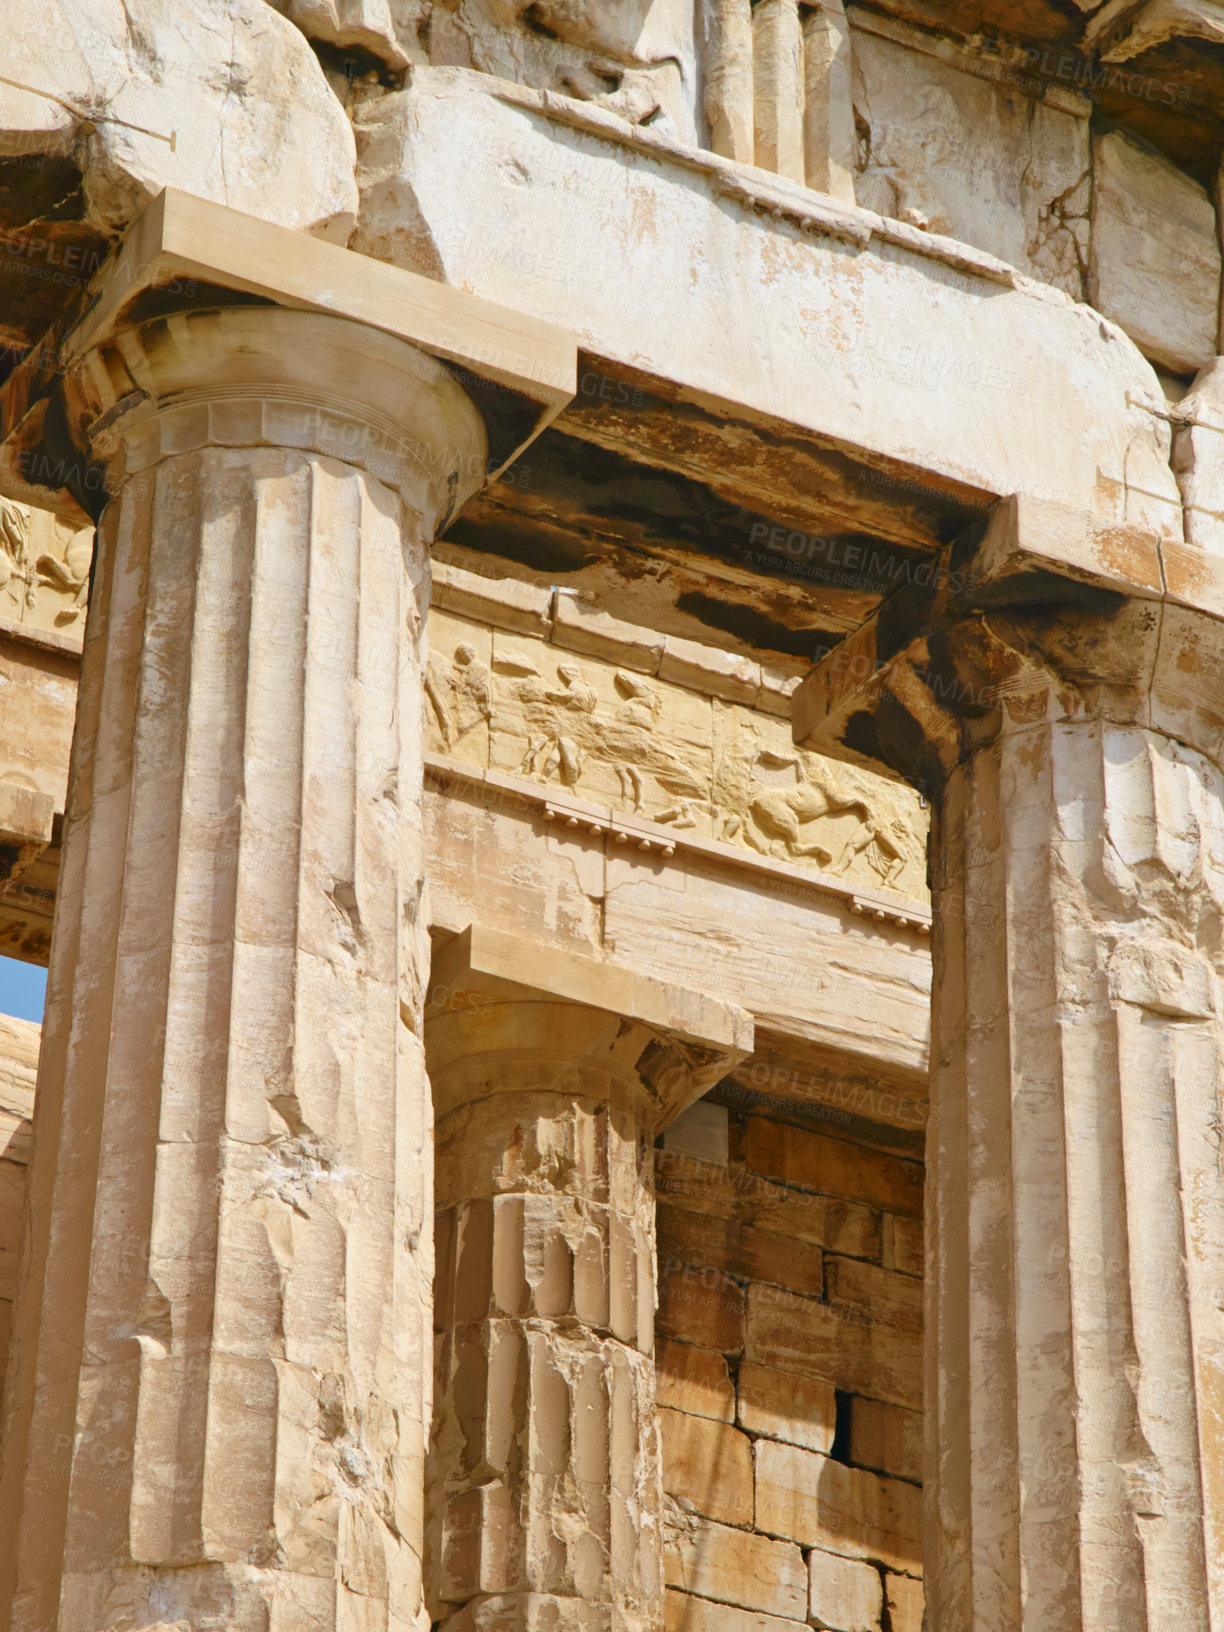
x=544 y=1477
x=1061 y=699
x=828 y=111
x=1076 y=1207
x=728 y=93
x=220 y=1394
x=778 y=89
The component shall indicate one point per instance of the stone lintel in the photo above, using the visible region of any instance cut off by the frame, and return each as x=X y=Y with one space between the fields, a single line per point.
x=185 y=252
x=26 y=820
x=481 y=967
x=1050 y=598
x=492 y=962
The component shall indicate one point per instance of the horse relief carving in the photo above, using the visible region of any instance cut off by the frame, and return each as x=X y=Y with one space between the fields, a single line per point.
x=646 y=747
x=44 y=568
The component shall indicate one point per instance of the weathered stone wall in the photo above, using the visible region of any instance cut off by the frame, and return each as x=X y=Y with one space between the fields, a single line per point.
x=789 y=1362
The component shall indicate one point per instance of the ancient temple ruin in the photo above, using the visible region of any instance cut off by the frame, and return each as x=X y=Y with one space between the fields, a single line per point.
x=612 y=729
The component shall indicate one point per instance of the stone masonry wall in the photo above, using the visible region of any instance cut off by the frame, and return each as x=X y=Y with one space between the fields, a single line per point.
x=789 y=1339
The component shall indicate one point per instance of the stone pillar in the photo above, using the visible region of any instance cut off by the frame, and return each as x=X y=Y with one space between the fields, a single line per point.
x=728 y=93
x=1066 y=715
x=777 y=50
x=545 y=1465
x=219 y=1398
x=1076 y=1216
x=828 y=111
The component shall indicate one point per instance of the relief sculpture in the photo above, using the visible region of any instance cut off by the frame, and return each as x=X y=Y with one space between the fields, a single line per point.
x=44 y=568
x=645 y=747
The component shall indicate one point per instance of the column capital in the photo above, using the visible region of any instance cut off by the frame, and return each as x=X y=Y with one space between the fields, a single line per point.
x=1053 y=616
x=613 y=1031
x=262 y=375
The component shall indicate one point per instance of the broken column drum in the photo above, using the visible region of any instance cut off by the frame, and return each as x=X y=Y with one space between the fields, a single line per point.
x=544 y=1476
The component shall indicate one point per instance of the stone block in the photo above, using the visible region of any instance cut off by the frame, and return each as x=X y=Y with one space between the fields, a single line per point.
x=695 y=1380
x=684 y=1613
x=953 y=153
x=843 y=1594
x=705 y=1187
x=814 y=1162
x=737 y=1567
x=291 y=144
x=26 y=816
x=861 y=1357
x=786 y=1405
x=904 y=1598
x=740 y=1250
x=814 y=366
x=821 y=1503
x=874 y=1294
x=507 y=603
x=1155 y=266
x=584 y=628
x=701 y=1133
x=700 y=1306
x=907 y=1246
x=707 y=1464
x=709 y=669
x=774 y=696
x=886 y=1438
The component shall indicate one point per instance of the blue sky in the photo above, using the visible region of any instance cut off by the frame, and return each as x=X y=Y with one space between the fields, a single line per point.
x=23 y=988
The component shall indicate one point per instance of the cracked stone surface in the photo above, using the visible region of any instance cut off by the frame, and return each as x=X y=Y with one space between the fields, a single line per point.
x=954 y=154
x=224 y=100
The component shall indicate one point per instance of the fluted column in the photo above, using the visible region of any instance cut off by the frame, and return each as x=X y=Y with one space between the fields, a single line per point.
x=778 y=94
x=1059 y=693
x=220 y=1390
x=828 y=111
x=729 y=77
x=1076 y=1198
x=544 y=1476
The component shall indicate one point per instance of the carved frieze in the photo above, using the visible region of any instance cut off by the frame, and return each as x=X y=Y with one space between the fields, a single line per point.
x=641 y=745
x=44 y=569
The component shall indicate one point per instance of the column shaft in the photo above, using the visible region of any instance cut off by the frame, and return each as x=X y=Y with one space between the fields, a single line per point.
x=220 y=1396
x=1075 y=1193
x=728 y=95
x=544 y=1477
x=545 y=1437
x=777 y=46
x=828 y=110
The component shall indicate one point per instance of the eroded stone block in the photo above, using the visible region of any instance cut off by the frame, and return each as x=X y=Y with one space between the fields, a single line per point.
x=737 y=1567
x=740 y=1250
x=708 y=1465
x=905 y=1598
x=786 y=1405
x=694 y=1380
x=982 y=162
x=844 y=1595
x=825 y=1504
x=1155 y=254
x=814 y=1162
x=685 y=1613
x=886 y=1438
x=861 y=1357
